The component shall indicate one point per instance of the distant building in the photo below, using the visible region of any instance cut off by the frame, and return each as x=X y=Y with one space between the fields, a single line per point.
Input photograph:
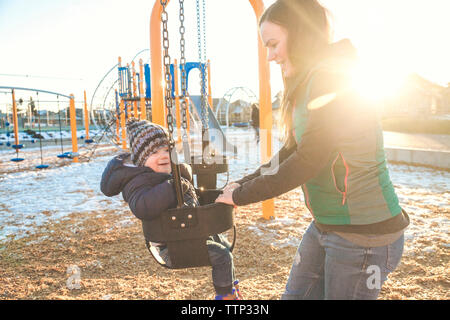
x=419 y=96
x=240 y=110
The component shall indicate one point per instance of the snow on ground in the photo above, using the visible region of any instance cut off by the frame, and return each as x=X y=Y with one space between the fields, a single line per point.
x=425 y=194
x=32 y=198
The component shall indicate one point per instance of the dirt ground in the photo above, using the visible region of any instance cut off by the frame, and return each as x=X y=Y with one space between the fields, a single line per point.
x=102 y=255
x=112 y=262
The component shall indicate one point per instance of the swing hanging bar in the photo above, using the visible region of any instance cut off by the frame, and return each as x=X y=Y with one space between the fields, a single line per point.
x=37 y=90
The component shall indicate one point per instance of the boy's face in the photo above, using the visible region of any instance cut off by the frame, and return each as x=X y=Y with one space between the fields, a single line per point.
x=159 y=161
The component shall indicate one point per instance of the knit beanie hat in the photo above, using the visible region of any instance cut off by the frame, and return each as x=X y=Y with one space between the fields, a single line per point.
x=145 y=138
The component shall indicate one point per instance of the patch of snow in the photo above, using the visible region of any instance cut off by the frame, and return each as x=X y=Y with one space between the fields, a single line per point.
x=32 y=198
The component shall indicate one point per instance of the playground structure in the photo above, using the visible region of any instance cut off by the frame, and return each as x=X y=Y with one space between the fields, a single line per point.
x=140 y=94
x=33 y=120
x=159 y=92
x=145 y=95
x=133 y=99
x=222 y=110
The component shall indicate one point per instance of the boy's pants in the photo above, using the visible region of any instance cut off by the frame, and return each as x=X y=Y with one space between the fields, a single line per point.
x=221 y=260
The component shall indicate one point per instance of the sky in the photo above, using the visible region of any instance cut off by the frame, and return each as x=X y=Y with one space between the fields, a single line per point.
x=67 y=46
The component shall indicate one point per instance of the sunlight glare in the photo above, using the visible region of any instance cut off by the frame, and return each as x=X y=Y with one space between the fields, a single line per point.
x=377 y=82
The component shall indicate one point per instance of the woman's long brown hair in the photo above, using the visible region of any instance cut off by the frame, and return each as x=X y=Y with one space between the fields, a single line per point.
x=308 y=27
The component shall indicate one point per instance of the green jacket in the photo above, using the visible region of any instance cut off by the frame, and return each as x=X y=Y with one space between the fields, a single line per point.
x=354 y=186
x=338 y=157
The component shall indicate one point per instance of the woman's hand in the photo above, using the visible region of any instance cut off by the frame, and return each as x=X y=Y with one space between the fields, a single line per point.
x=231 y=186
x=227 y=195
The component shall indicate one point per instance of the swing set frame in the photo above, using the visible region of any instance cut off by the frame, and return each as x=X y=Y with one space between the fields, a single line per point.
x=72 y=113
x=265 y=104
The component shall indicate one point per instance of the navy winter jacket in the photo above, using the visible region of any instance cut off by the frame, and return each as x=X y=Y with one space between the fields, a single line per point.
x=148 y=193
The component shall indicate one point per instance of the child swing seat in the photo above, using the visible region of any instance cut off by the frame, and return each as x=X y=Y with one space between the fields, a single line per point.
x=185 y=231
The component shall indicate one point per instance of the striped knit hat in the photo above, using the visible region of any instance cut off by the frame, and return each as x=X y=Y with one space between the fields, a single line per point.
x=145 y=139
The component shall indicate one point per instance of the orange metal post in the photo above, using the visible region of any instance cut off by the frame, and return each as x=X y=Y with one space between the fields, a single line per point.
x=158 y=110
x=15 y=121
x=122 y=125
x=177 y=99
x=135 y=108
x=210 y=99
x=141 y=89
x=73 y=126
x=86 y=117
x=265 y=105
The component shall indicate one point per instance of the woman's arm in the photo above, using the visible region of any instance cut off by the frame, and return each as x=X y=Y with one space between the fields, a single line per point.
x=280 y=156
x=317 y=144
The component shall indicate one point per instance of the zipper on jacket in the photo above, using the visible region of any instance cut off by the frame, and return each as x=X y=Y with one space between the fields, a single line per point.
x=347 y=170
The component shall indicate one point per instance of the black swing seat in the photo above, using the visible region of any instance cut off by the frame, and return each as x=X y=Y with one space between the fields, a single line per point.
x=185 y=231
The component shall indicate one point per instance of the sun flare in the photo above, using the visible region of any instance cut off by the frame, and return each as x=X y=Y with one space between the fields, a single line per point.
x=377 y=81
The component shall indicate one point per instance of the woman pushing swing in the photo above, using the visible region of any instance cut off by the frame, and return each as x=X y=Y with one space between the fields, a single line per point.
x=333 y=148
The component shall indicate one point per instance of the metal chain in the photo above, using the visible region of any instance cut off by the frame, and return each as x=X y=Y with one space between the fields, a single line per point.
x=202 y=60
x=199 y=32
x=186 y=147
x=204 y=30
x=183 y=69
x=169 y=103
x=167 y=74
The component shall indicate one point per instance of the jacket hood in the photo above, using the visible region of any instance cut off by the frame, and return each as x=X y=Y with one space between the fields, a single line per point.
x=340 y=56
x=341 y=50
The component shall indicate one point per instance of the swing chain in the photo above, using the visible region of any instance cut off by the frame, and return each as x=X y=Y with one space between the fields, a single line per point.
x=183 y=68
x=167 y=74
x=169 y=103
x=202 y=60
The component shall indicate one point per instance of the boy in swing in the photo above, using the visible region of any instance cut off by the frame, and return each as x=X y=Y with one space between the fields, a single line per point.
x=145 y=180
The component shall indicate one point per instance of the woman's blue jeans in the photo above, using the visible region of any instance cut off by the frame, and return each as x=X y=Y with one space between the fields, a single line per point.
x=326 y=266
